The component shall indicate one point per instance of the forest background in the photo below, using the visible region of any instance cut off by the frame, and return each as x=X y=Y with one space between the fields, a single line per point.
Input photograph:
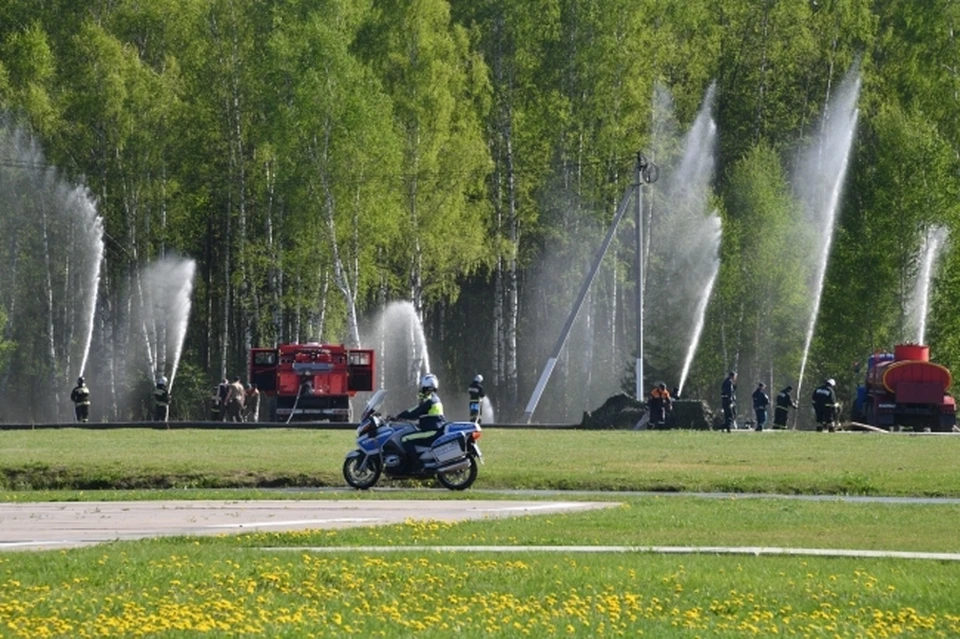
x=319 y=159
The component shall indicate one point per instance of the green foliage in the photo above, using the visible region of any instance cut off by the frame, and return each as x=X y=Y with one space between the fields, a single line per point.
x=321 y=157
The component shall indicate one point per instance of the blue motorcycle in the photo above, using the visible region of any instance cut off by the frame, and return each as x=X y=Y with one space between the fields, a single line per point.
x=400 y=450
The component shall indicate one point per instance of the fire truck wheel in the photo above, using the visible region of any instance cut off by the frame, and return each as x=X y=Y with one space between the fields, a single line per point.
x=365 y=477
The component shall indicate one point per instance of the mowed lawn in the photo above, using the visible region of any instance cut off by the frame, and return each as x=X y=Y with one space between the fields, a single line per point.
x=774 y=462
x=311 y=584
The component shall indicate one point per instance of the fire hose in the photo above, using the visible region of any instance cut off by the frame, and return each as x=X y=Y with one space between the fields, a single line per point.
x=295 y=402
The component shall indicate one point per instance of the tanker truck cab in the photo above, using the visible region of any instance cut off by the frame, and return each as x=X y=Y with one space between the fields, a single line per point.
x=906 y=390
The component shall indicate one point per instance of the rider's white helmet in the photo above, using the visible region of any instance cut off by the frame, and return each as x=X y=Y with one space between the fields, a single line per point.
x=162 y=381
x=831 y=382
x=478 y=379
x=429 y=381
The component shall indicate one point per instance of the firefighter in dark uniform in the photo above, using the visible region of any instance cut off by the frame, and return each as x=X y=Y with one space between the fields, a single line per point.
x=784 y=402
x=825 y=405
x=760 y=403
x=215 y=405
x=659 y=405
x=475 y=390
x=728 y=400
x=161 y=401
x=80 y=396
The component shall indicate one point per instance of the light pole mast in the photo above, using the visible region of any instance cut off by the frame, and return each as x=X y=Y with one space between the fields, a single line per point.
x=646 y=173
x=638 y=368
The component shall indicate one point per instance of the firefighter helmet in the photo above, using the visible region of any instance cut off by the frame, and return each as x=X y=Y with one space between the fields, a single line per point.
x=831 y=383
x=429 y=382
x=478 y=379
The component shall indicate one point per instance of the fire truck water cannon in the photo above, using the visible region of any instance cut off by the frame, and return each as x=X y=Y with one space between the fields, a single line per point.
x=906 y=389
x=311 y=382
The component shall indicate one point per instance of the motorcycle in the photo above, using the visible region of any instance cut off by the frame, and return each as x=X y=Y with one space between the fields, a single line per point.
x=400 y=450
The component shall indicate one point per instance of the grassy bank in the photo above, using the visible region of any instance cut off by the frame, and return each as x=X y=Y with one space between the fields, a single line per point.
x=778 y=462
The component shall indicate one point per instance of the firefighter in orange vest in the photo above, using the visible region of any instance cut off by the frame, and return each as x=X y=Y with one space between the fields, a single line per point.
x=659 y=405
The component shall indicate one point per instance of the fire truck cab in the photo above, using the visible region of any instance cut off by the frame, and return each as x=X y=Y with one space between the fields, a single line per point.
x=311 y=382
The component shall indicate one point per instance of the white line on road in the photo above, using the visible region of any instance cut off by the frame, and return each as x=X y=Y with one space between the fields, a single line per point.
x=551 y=506
x=688 y=550
x=297 y=522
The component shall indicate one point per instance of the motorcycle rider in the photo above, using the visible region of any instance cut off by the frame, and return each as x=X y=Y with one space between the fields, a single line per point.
x=429 y=410
x=825 y=405
x=476 y=396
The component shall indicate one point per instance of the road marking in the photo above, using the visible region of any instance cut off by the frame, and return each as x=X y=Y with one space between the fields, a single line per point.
x=552 y=506
x=688 y=550
x=27 y=544
x=297 y=522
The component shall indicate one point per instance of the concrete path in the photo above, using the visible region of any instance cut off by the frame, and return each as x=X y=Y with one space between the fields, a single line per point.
x=72 y=524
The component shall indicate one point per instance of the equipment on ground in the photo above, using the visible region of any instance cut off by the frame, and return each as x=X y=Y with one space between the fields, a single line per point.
x=400 y=450
x=311 y=382
x=905 y=389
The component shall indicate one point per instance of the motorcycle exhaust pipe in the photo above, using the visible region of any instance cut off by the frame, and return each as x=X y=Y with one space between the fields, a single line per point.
x=455 y=466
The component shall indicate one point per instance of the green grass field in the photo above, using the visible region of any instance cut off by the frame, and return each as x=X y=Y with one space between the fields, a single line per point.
x=775 y=462
x=273 y=585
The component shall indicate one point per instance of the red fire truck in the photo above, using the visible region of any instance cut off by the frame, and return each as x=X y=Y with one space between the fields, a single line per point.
x=311 y=382
x=906 y=389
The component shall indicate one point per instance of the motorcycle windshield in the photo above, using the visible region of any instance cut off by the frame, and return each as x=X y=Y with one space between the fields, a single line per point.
x=374 y=404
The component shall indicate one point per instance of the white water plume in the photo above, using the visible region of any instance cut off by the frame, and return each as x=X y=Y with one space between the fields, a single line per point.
x=819 y=183
x=51 y=252
x=919 y=304
x=397 y=337
x=701 y=315
x=167 y=288
x=684 y=232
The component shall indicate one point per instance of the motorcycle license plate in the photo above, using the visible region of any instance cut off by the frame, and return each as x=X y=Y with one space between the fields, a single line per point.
x=447 y=451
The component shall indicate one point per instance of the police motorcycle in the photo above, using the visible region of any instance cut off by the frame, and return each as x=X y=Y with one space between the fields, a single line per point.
x=452 y=454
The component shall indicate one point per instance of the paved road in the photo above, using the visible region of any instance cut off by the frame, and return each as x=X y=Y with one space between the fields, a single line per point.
x=72 y=524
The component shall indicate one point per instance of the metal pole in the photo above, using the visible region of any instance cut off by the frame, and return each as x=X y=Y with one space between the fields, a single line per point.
x=638 y=369
x=552 y=361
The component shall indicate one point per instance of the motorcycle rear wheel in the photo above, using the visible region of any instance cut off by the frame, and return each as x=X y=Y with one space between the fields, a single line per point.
x=460 y=479
x=365 y=478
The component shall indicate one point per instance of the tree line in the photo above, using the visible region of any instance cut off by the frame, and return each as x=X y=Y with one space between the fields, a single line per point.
x=320 y=158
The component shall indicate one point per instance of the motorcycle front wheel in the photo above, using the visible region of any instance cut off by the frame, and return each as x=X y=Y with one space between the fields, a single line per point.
x=460 y=479
x=359 y=476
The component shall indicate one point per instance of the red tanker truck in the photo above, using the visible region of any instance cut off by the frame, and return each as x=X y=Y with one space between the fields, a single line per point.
x=906 y=389
x=311 y=382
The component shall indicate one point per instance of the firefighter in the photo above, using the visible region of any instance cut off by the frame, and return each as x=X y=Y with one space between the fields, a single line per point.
x=161 y=401
x=825 y=405
x=760 y=403
x=728 y=400
x=80 y=396
x=215 y=405
x=222 y=391
x=429 y=410
x=475 y=390
x=235 y=397
x=251 y=404
x=659 y=405
x=784 y=402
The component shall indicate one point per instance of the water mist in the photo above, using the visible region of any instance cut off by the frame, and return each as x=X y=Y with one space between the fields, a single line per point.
x=819 y=183
x=51 y=253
